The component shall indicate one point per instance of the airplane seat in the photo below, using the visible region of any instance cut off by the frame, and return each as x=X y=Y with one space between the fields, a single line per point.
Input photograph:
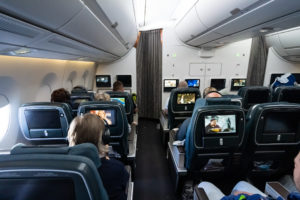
x=51 y=173
x=45 y=121
x=252 y=95
x=181 y=105
x=117 y=122
x=126 y=100
x=222 y=101
x=289 y=94
x=212 y=149
x=273 y=131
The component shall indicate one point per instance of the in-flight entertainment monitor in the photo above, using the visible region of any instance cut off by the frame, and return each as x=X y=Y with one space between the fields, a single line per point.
x=170 y=84
x=236 y=84
x=108 y=115
x=281 y=123
x=194 y=83
x=219 y=84
x=103 y=81
x=125 y=79
x=186 y=98
x=42 y=119
x=119 y=99
x=220 y=124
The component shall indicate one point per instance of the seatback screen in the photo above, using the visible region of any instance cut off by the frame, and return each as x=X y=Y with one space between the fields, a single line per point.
x=220 y=124
x=42 y=119
x=44 y=189
x=195 y=83
x=108 y=115
x=186 y=98
x=279 y=122
x=236 y=84
x=170 y=83
x=103 y=81
x=119 y=99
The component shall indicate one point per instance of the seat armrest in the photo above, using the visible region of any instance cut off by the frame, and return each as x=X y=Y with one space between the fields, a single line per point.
x=275 y=190
x=200 y=194
x=172 y=135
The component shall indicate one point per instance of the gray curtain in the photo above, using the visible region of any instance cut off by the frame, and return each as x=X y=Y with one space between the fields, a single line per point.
x=257 y=62
x=149 y=74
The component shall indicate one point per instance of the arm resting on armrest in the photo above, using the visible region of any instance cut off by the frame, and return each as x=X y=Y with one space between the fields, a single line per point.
x=199 y=194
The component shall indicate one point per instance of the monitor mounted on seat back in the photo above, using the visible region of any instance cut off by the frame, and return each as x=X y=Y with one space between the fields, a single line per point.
x=236 y=84
x=103 y=81
x=170 y=84
x=193 y=83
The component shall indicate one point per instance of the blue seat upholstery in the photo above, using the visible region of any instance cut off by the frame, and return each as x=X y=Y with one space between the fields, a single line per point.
x=289 y=94
x=129 y=104
x=252 y=95
x=178 y=111
x=119 y=130
x=53 y=175
x=273 y=131
x=45 y=121
x=202 y=144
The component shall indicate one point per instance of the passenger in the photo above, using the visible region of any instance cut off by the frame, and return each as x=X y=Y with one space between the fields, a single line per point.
x=212 y=126
x=209 y=92
x=89 y=128
x=102 y=97
x=181 y=84
x=119 y=87
x=244 y=190
x=61 y=95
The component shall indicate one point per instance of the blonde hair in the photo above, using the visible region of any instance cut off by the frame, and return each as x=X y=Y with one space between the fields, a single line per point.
x=208 y=90
x=87 y=128
x=102 y=97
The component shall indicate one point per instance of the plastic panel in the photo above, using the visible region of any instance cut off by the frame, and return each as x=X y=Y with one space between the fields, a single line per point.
x=41 y=12
x=207 y=37
x=190 y=26
x=93 y=32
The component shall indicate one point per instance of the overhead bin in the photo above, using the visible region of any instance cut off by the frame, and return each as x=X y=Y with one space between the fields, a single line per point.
x=105 y=26
x=234 y=17
x=286 y=43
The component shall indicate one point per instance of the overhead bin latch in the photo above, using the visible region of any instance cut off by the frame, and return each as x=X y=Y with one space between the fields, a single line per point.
x=114 y=25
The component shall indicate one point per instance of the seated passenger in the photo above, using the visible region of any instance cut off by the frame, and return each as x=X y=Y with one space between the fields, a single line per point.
x=119 y=87
x=102 y=97
x=89 y=128
x=61 y=95
x=181 y=84
x=209 y=92
x=244 y=190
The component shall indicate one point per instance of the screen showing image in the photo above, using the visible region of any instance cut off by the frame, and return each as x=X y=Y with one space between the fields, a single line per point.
x=170 y=83
x=281 y=123
x=42 y=119
x=119 y=99
x=220 y=124
x=108 y=115
x=193 y=83
x=125 y=79
x=239 y=82
x=103 y=81
x=219 y=84
x=186 y=98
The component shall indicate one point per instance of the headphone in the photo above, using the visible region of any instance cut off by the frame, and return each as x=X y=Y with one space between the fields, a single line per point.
x=106 y=133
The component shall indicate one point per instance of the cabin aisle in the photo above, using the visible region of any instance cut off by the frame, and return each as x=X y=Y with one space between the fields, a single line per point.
x=152 y=174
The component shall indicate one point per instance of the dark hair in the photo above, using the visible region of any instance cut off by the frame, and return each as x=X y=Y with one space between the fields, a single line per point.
x=61 y=95
x=118 y=86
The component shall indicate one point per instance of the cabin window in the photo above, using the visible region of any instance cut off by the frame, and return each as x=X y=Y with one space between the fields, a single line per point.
x=4 y=116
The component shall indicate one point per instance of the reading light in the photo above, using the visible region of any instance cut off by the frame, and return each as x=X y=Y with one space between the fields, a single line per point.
x=21 y=51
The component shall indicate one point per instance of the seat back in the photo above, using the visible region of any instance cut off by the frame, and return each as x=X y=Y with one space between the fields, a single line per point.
x=181 y=105
x=50 y=175
x=117 y=121
x=126 y=100
x=223 y=101
x=45 y=121
x=273 y=131
x=215 y=132
x=289 y=94
x=252 y=95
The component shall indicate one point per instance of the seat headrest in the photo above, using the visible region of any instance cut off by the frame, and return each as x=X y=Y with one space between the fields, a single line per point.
x=86 y=149
x=254 y=95
x=223 y=101
x=287 y=93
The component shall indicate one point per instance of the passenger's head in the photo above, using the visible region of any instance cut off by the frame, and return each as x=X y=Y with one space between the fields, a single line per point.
x=87 y=128
x=60 y=95
x=182 y=84
x=102 y=97
x=211 y=92
x=297 y=171
x=213 y=122
x=118 y=86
